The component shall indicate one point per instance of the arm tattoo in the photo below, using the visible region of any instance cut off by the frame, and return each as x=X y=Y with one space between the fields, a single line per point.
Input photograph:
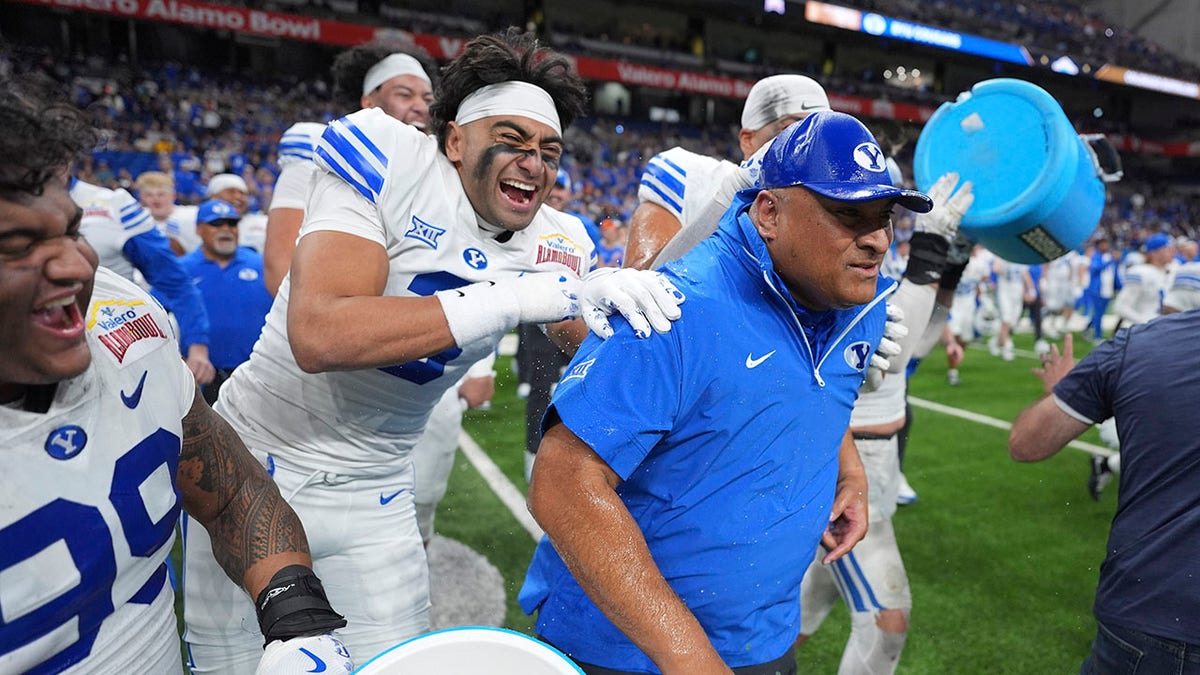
x=228 y=492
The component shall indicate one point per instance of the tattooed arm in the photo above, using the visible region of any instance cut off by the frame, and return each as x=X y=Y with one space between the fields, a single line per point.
x=254 y=532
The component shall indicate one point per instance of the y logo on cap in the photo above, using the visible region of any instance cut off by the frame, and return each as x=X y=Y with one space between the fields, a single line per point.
x=870 y=157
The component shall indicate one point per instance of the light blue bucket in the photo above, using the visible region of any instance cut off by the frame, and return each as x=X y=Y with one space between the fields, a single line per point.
x=1037 y=193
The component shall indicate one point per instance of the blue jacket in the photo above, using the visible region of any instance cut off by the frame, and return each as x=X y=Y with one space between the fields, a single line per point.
x=726 y=433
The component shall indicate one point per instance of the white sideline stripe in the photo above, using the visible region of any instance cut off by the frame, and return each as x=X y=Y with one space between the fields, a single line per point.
x=997 y=423
x=500 y=484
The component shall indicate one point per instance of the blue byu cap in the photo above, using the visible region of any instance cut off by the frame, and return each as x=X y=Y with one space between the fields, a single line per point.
x=835 y=156
x=1157 y=241
x=215 y=209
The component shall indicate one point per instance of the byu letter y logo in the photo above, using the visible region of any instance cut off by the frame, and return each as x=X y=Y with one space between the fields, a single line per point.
x=857 y=355
x=869 y=156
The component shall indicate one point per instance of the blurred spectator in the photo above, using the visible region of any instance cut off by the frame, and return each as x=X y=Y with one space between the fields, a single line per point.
x=156 y=192
x=610 y=252
x=230 y=281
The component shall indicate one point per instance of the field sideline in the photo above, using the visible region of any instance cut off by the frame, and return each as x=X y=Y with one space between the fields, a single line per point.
x=1002 y=557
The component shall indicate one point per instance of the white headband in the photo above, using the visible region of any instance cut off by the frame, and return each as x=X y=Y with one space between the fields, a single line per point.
x=509 y=98
x=224 y=181
x=394 y=65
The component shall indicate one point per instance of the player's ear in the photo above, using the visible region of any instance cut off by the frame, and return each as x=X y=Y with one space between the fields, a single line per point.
x=746 y=142
x=766 y=214
x=454 y=142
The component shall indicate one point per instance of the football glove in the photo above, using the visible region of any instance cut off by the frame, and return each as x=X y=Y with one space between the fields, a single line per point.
x=313 y=654
x=948 y=209
x=645 y=298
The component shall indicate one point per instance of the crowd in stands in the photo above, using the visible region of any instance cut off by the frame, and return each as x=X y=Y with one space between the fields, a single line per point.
x=1058 y=26
x=194 y=125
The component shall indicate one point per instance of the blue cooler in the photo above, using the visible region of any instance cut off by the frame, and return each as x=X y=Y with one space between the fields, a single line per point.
x=1037 y=189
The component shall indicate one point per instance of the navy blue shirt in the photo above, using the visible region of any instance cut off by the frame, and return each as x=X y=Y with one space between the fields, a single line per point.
x=725 y=432
x=237 y=303
x=1148 y=377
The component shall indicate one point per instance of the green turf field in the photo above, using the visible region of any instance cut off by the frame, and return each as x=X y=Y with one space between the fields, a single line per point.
x=1002 y=557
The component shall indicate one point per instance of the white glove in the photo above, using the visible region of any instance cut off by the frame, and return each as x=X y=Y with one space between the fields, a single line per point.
x=491 y=308
x=947 y=210
x=644 y=297
x=315 y=654
x=893 y=330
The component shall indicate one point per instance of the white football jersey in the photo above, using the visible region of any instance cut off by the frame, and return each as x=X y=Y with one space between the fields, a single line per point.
x=1141 y=298
x=387 y=182
x=110 y=218
x=181 y=226
x=89 y=505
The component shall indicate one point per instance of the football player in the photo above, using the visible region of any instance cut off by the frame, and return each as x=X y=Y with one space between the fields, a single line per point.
x=416 y=256
x=106 y=438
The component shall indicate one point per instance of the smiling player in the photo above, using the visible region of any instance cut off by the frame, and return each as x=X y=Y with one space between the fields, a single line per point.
x=416 y=255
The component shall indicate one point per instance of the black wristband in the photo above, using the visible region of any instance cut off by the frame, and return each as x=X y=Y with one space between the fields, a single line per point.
x=294 y=605
x=926 y=258
x=952 y=275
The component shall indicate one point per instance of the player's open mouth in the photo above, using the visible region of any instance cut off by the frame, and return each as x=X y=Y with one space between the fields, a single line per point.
x=520 y=194
x=60 y=316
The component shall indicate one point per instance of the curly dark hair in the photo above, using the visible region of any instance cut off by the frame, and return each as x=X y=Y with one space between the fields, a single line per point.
x=504 y=57
x=43 y=134
x=350 y=69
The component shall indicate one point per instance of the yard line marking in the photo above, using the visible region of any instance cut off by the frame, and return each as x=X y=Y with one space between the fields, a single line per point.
x=508 y=493
x=997 y=423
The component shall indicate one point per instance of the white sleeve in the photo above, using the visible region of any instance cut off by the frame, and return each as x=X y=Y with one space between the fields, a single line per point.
x=682 y=182
x=297 y=143
x=134 y=218
x=333 y=205
x=291 y=190
x=1130 y=300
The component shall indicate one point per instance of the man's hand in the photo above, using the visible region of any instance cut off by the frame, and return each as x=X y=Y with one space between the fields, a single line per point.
x=197 y=362
x=314 y=654
x=948 y=209
x=476 y=391
x=848 y=520
x=1055 y=365
x=646 y=299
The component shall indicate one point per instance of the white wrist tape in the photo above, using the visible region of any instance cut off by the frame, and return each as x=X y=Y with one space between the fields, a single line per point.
x=485 y=310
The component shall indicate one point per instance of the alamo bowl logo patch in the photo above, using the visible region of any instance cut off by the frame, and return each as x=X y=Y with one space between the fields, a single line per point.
x=561 y=249
x=857 y=355
x=126 y=328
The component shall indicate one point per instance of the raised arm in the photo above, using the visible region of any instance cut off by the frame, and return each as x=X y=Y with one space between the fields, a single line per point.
x=650 y=228
x=573 y=497
x=283 y=226
x=337 y=282
x=1044 y=428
